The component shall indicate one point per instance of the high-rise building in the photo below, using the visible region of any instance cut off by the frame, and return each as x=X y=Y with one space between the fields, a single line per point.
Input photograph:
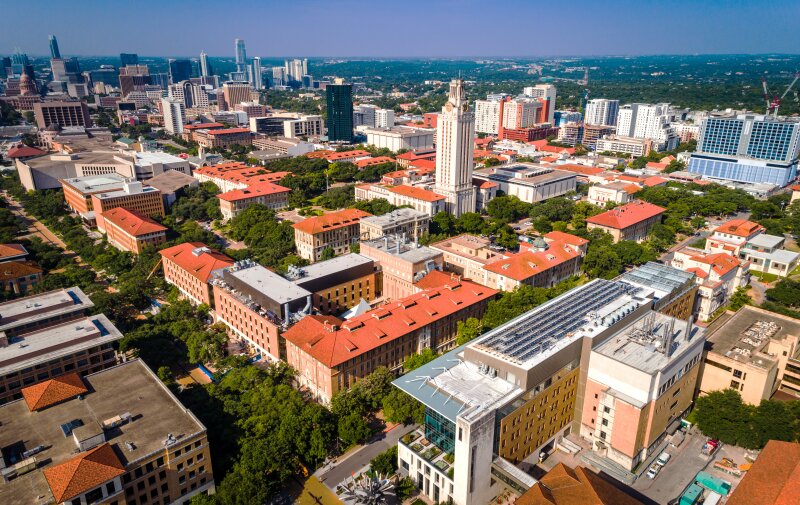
x=72 y=113
x=454 y=152
x=295 y=70
x=234 y=93
x=133 y=78
x=54 y=52
x=241 y=57
x=601 y=111
x=204 y=70
x=748 y=148
x=339 y=99
x=648 y=121
x=384 y=118
x=179 y=70
x=256 y=79
x=487 y=116
x=174 y=111
x=278 y=76
x=126 y=59
x=545 y=93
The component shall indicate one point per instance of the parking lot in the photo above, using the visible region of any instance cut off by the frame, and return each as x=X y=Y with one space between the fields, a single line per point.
x=684 y=464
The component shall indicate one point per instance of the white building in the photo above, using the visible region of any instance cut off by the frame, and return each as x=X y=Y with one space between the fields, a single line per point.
x=364 y=114
x=454 y=152
x=257 y=81
x=601 y=111
x=547 y=94
x=529 y=182
x=628 y=145
x=487 y=116
x=174 y=111
x=304 y=126
x=648 y=121
x=384 y=118
x=400 y=137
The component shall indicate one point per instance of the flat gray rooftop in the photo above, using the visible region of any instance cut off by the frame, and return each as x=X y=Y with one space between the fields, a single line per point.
x=130 y=387
x=742 y=335
x=395 y=217
x=766 y=240
x=268 y=283
x=30 y=309
x=121 y=192
x=97 y=183
x=643 y=343
x=171 y=181
x=410 y=252
x=332 y=266
x=55 y=341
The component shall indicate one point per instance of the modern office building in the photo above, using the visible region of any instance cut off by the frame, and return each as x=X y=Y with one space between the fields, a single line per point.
x=54 y=51
x=674 y=290
x=174 y=112
x=626 y=145
x=640 y=381
x=323 y=351
x=408 y=223
x=235 y=92
x=487 y=116
x=511 y=393
x=133 y=77
x=63 y=114
x=384 y=118
x=126 y=59
x=188 y=267
x=205 y=68
x=78 y=192
x=339 y=101
x=748 y=148
x=179 y=71
x=257 y=81
x=133 y=195
x=45 y=335
x=755 y=352
x=601 y=111
x=241 y=56
x=336 y=230
x=115 y=436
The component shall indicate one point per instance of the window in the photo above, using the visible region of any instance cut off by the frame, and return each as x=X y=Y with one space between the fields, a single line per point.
x=604 y=422
x=603 y=435
x=737 y=373
x=110 y=487
x=181 y=479
x=151 y=480
x=735 y=384
x=140 y=485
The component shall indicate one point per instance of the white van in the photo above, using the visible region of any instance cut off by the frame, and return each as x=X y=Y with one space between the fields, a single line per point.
x=663 y=458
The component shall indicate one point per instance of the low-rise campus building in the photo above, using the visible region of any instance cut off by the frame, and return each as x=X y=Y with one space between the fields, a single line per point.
x=632 y=221
x=188 y=267
x=336 y=230
x=130 y=231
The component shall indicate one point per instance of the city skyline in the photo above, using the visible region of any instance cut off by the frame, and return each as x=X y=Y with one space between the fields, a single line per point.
x=524 y=33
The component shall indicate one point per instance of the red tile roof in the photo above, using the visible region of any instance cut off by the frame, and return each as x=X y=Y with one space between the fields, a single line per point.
x=484 y=184
x=240 y=173
x=228 y=131
x=253 y=191
x=374 y=161
x=131 y=222
x=203 y=126
x=52 y=391
x=11 y=270
x=567 y=238
x=199 y=262
x=526 y=264
x=83 y=472
x=795 y=188
x=579 y=169
x=652 y=165
x=384 y=324
x=541 y=145
x=720 y=263
x=411 y=156
x=774 y=478
x=654 y=181
x=626 y=215
x=417 y=193
x=24 y=151
x=12 y=251
x=326 y=222
x=740 y=228
x=423 y=164
x=345 y=155
x=437 y=279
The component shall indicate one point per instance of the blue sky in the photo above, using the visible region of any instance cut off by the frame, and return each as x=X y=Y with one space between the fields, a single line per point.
x=401 y=28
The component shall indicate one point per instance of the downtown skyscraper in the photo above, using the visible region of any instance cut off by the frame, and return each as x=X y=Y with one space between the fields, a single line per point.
x=241 y=57
x=54 y=51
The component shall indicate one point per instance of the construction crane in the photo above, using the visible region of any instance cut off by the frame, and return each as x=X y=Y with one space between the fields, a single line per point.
x=774 y=103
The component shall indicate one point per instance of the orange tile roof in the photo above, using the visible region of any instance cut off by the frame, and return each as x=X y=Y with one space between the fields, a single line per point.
x=317 y=154
x=24 y=152
x=632 y=189
x=398 y=174
x=199 y=265
x=580 y=169
x=52 y=391
x=524 y=265
x=720 y=263
x=549 y=159
x=795 y=188
x=131 y=222
x=253 y=191
x=654 y=181
x=411 y=156
x=378 y=160
x=484 y=184
x=774 y=478
x=11 y=270
x=541 y=145
x=83 y=472
x=578 y=486
x=228 y=131
x=332 y=221
x=384 y=324
x=346 y=155
x=656 y=166
x=740 y=228
x=12 y=250
x=626 y=215
x=567 y=238
x=423 y=164
x=628 y=178
x=437 y=279
x=417 y=193
x=238 y=172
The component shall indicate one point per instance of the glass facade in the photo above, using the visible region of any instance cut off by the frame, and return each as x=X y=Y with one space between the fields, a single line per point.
x=772 y=140
x=340 y=112
x=752 y=136
x=440 y=431
x=721 y=136
x=741 y=171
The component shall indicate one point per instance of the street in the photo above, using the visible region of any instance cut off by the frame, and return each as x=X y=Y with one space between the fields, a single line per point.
x=345 y=466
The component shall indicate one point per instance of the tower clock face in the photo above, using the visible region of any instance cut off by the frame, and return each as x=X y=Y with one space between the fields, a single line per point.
x=449 y=107
x=465 y=107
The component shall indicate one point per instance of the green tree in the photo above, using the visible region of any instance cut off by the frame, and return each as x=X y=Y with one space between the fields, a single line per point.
x=385 y=463
x=327 y=253
x=353 y=429
x=468 y=330
x=740 y=298
x=399 y=407
x=602 y=262
x=722 y=415
x=405 y=489
x=417 y=360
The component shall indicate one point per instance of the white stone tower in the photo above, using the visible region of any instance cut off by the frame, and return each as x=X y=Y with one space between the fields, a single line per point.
x=454 y=152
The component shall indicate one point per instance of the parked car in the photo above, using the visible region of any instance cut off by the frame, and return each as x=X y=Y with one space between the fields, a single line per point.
x=663 y=458
x=653 y=471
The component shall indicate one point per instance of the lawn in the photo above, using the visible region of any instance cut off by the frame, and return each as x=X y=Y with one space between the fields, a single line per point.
x=765 y=276
x=316 y=493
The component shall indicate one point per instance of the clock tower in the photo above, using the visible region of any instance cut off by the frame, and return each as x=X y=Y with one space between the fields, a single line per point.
x=454 y=152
